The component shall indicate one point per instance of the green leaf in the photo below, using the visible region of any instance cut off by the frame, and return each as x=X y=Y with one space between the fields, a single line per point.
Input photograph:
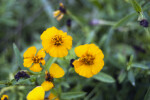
x=138 y=65
x=18 y=57
x=131 y=77
x=136 y=6
x=124 y=20
x=130 y=62
x=104 y=77
x=122 y=76
x=72 y=95
x=147 y=96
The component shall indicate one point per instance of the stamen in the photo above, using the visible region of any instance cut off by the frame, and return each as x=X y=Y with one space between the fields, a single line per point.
x=48 y=77
x=87 y=59
x=36 y=59
x=57 y=40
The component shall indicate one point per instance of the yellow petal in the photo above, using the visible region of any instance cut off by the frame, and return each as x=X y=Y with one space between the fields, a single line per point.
x=68 y=42
x=97 y=67
x=41 y=53
x=46 y=45
x=4 y=97
x=60 y=16
x=59 y=51
x=47 y=85
x=82 y=49
x=49 y=33
x=30 y=52
x=83 y=70
x=94 y=50
x=36 y=67
x=37 y=93
x=56 y=13
x=52 y=97
x=27 y=62
x=56 y=71
x=43 y=62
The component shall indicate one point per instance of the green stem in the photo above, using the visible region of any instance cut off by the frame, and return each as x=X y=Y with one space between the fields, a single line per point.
x=6 y=89
x=49 y=63
x=91 y=93
x=147 y=32
x=75 y=18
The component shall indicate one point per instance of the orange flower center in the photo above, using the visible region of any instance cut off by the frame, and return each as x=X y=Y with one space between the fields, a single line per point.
x=36 y=59
x=87 y=59
x=57 y=40
x=48 y=77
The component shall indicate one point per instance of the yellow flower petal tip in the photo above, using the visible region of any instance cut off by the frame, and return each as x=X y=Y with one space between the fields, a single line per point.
x=90 y=61
x=37 y=93
x=33 y=60
x=4 y=97
x=56 y=42
x=47 y=85
x=52 y=97
x=58 y=14
x=56 y=71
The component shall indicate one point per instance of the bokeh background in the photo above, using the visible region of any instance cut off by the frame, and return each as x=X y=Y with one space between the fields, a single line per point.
x=111 y=24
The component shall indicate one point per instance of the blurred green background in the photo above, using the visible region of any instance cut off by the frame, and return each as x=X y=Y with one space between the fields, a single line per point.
x=111 y=24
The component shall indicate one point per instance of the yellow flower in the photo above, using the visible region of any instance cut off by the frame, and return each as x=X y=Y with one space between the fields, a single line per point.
x=30 y=57
x=55 y=72
x=4 y=97
x=37 y=93
x=52 y=97
x=56 y=42
x=90 y=61
x=58 y=14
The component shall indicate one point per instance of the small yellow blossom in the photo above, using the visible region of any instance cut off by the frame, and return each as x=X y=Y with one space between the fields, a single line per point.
x=90 y=61
x=56 y=42
x=37 y=93
x=58 y=14
x=52 y=97
x=55 y=72
x=4 y=97
x=33 y=60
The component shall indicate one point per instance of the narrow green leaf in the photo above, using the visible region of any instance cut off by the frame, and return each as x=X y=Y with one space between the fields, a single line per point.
x=130 y=62
x=124 y=20
x=72 y=95
x=131 y=77
x=138 y=65
x=18 y=57
x=122 y=76
x=136 y=6
x=147 y=96
x=104 y=77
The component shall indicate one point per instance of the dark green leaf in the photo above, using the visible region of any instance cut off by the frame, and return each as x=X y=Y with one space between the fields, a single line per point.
x=104 y=77
x=136 y=6
x=131 y=77
x=138 y=65
x=124 y=20
x=18 y=57
x=72 y=95
x=147 y=96
x=122 y=76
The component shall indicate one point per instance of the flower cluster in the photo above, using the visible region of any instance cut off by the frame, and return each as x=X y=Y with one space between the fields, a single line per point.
x=56 y=43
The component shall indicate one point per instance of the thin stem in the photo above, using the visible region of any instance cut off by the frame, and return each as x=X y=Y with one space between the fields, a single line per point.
x=91 y=93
